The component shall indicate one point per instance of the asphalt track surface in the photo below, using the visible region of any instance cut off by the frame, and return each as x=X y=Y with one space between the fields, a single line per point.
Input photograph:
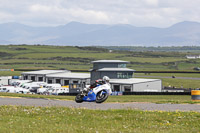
x=103 y=106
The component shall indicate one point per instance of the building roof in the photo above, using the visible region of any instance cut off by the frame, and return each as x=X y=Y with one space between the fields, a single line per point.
x=110 y=61
x=44 y=72
x=116 y=69
x=70 y=75
x=131 y=81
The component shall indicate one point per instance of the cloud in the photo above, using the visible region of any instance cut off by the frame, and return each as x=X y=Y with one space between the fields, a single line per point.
x=159 y=13
x=151 y=2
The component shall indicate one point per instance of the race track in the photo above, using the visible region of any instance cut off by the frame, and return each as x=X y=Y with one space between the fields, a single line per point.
x=103 y=106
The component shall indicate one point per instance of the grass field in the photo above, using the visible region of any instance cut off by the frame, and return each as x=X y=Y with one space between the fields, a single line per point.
x=177 y=99
x=10 y=73
x=67 y=120
x=68 y=57
x=192 y=75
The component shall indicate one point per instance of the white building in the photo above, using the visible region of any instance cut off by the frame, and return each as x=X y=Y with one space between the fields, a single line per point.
x=121 y=78
x=136 y=85
x=4 y=80
x=40 y=75
x=193 y=56
x=67 y=78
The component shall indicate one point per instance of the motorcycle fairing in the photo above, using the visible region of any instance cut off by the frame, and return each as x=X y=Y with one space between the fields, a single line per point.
x=90 y=97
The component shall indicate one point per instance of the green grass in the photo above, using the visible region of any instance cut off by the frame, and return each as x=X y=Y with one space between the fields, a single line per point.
x=10 y=73
x=38 y=96
x=178 y=83
x=192 y=75
x=178 y=99
x=185 y=83
x=151 y=98
x=67 y=120
x=56 y=57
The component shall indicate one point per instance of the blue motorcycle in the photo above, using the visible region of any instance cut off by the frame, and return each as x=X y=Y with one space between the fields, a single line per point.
x=98 y=94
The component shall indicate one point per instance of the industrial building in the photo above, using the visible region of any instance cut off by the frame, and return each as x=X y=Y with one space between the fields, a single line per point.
x=39 y=76
x=67 y=78
x=136 y=85
x=121 y=78
x=114 y=69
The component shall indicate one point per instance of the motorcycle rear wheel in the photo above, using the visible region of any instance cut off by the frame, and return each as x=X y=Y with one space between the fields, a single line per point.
x=79 y=98
x=101 y=98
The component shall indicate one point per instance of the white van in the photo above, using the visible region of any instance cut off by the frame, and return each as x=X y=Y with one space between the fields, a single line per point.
x=48 y=88
x=13 y=89
x=59 y=90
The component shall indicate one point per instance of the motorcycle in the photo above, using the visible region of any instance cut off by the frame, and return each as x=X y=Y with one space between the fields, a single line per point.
x=98 y=94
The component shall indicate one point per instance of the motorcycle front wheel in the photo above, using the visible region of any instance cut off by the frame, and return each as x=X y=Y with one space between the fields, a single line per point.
x=101 y=97
x=79 y=98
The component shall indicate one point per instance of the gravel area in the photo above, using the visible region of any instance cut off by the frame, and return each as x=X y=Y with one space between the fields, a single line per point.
x=103 y=106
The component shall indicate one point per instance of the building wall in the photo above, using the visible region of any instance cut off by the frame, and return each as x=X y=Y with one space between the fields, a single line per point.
x=71 y=81
x=94 y=75
x=154 y=86
x=35 y=75
x=111 y=74
x=108 y=65
x=122 y=87
x=5 y=80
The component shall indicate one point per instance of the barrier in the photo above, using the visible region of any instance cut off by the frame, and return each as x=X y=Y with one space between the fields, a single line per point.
x=195 y=95
x=156 y=93
x=138 y=93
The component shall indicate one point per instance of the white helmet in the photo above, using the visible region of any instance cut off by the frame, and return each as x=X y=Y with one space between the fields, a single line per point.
x=106 y=79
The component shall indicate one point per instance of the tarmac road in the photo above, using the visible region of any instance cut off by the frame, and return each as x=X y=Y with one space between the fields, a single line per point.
x=103 y=106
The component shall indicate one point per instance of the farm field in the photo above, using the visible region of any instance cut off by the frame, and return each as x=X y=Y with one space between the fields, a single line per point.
x=192 y=75
x=37 y=57
x=178 y=99
x=79 y=58
x=60 y=119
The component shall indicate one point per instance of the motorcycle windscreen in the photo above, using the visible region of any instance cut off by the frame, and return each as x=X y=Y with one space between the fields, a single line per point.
x=90 y=97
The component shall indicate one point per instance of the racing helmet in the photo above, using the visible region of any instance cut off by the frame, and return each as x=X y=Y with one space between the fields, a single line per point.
x=106 y=79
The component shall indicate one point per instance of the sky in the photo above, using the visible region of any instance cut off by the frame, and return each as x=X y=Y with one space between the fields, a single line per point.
x=155 y=13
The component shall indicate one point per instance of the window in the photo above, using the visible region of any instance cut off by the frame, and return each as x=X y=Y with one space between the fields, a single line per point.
x=25 y=77
x=40 y=78
x=33 y=78
x=58 y=81
x=66 y=82
x=121 y=65
x=127 y=88
x=123 y=75
x=75 y=82
x=116 y=88
x=50 y=81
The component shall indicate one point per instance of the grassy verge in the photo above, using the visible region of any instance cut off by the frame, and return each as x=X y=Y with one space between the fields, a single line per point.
x=10 y=73
x=174 y=99
x=192 y=75
x=38 y=96
x=59 y=119
x=178 y=83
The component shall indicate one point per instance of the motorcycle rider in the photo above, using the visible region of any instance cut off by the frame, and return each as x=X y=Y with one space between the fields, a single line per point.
x=98 y=82
x=105 y=80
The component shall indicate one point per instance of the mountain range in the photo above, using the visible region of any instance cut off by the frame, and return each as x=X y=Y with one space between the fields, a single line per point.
x=185 y=33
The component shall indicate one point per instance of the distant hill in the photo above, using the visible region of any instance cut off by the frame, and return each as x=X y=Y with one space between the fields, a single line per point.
x=75 y=33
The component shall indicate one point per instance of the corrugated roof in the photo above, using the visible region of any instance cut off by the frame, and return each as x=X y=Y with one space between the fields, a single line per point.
x=44 y=72
x=110 y=61
x=70 y=75
x=131 y=81
x=115 y=69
